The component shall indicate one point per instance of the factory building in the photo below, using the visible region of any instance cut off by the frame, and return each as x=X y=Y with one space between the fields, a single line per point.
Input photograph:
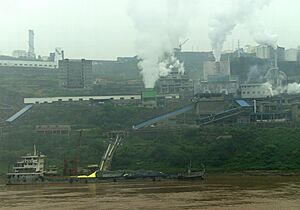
x=264 y=52
x=75 y=73
x=22 y=60
x=211 y=68
x=256 y=90
x=248 y=49
x=176 y=82
x=207 y=104
x=217 y=79
x=179 y=84
x=19 y=54
x=5 y=62
x=224 y=84
x=292 y=55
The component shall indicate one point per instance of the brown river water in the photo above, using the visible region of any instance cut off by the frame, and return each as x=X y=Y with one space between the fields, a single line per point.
x=215 y=192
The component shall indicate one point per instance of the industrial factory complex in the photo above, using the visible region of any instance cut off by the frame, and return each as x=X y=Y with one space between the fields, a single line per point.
x=254 y=84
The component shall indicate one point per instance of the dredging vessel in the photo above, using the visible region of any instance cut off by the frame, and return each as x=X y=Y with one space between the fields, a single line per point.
x=30 y=169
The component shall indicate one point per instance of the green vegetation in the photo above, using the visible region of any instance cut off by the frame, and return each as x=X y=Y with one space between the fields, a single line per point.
x=218 y=148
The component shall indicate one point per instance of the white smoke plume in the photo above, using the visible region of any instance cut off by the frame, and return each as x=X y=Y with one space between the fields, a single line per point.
x=269 y=88
x=160 y=25
x=293 y=88
x=223 y=23
x=170 y=63
x=260 y=33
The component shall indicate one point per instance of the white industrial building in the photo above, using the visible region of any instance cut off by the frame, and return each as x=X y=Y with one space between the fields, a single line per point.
x=249 y=49
x=79 y=98
x=19 y=54
x=29 y=64
x=291 y=54
x=256 y=90
x=264 y=52
x=226 y=86
x=22 y=59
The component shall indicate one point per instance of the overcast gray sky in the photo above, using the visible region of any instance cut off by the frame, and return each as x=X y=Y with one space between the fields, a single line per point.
x=101 y=29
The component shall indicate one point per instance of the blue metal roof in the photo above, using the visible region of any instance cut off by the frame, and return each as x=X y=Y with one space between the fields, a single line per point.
x=163 y=117
x=242 y=103
x=19 y=113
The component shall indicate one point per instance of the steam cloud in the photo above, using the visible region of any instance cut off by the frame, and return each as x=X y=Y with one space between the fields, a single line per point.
x=166 y=66
x=260 y=33
x=255 y=74
x=160 y=25
x=223 y=23
x=292 y=88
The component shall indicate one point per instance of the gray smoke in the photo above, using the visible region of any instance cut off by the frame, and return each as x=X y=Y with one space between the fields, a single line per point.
x=223 y=23
x=255 y=74
x=160 y=25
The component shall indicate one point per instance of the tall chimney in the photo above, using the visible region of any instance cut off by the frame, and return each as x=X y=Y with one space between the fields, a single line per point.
x=31 y=53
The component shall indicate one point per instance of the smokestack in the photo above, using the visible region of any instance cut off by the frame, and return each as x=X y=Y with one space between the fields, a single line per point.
x=218 y=67
x=31 y=53
x=276 y=57
x=239 y=49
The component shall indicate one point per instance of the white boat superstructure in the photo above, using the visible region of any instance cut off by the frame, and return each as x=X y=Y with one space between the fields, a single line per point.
x=28 y=170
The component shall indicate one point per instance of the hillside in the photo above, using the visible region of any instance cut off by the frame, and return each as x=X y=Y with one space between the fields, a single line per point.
x=218 y=148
